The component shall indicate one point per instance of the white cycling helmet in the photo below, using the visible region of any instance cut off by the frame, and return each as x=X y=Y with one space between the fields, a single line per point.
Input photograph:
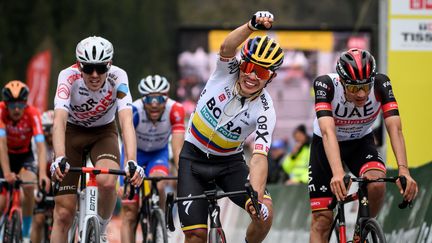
x=153 y=84
x=48 y=118
x=94 y=50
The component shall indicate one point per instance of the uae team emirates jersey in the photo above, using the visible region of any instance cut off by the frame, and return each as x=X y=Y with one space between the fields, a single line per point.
x=222 y=119
x=154 y=136
x=352 y=122
x=89 y=108
x=19 y=133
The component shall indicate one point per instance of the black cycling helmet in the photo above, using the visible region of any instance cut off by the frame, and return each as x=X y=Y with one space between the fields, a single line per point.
x=356 y=66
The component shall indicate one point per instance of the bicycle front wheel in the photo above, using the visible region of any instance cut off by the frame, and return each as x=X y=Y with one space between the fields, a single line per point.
x=217 y=235
x=13 y=232
x=73 y=232
x=372 y=232
x=92 y=231
x=158 y=226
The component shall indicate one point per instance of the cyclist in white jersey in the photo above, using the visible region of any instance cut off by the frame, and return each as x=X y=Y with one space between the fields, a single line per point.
x=89 y=93
x=233 y=104
x=347 y=103
x=156 y=117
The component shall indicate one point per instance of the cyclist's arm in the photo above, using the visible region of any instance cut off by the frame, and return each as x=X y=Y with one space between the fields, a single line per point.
x=176 y=145
x=238 y=36
x=331 y=145
x=177 y=115
x=59 y=130
x=4 y=152
x=394 y=128
x=128 y=134
x=258 y=173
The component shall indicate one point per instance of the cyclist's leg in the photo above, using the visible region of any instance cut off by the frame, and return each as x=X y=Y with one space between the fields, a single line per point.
x=64 y=214
x=24 y=165
x=105 y=154
x=66 y=199
x=129 y=211
x=37 y=227
x=319 y=192
x=234 y=174
x=366 y=162
x=158 y=166
x=192 y=180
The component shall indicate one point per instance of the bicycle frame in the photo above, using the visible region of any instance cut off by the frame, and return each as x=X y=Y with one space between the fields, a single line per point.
x=213 y=210
x=363 y=211
x=13 y=199
x=88 y=197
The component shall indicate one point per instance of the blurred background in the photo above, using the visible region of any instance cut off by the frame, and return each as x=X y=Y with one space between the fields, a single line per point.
x=180 y=39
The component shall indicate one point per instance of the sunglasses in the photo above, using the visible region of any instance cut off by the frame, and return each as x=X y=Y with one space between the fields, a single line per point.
x=154 y=99
x=17 y=104
x=260 y=72
x=90 y=68
x=354 y=88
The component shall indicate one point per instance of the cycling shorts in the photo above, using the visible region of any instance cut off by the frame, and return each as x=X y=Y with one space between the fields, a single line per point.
x=359 y=156
x=101 y=142
x=198 y=173
x=19 y=161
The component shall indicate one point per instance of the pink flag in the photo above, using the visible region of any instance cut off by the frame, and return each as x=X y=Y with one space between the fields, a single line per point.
x=38 y=76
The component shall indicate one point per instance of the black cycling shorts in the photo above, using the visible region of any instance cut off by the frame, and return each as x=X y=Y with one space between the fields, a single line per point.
x=19 y=161
x=198 y=173
x=359 y=156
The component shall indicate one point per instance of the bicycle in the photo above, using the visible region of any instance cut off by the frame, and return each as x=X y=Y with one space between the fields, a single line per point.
x=369 y=229
x=11 y=219
x=216 y=234
x=150 y=216
x=86 y=224
x=46 y=207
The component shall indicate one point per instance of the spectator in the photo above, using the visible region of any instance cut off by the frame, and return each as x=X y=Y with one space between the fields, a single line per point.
x=296 y=163
x=278 y=151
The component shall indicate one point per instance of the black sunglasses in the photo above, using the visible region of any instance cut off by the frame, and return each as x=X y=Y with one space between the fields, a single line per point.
x=90 y=68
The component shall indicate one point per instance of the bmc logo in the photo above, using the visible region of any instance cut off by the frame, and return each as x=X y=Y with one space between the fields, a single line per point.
x=420 y=4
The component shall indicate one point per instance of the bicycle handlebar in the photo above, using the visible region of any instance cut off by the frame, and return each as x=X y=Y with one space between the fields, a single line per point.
x=347 y=180
x=211 y=195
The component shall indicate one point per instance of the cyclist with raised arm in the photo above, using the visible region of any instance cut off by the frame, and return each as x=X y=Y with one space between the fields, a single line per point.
x=89 y=93
x=156 y=117
x=19 y=123
x=232 y=105
x=40 y=207
x=347 y=103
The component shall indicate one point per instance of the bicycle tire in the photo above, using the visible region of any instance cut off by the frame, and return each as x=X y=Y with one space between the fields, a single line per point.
x=72 y=233
x=372 y=232
x=217 y=235
x=92 y=231
x=158 y=226
x=14 y=230
x=144 y=226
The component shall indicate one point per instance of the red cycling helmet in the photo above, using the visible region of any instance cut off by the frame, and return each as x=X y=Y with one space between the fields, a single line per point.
x=356 y=66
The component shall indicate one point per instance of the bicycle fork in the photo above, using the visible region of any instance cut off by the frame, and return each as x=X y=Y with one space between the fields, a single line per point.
x=214 y=211
x=88 y=205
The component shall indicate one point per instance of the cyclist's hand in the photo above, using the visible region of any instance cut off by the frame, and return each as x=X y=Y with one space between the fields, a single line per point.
x=56 y=173
x=44 y=177
x=411 y=189
x=337 y=186
x=261 y=20
x=137 y=178
x=264 y=211
x=10 y=177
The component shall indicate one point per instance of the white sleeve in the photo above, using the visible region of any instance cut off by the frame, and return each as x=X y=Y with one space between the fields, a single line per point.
x=63 y=92
x=224 y=66
x=123 y=95
x=265 y=124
